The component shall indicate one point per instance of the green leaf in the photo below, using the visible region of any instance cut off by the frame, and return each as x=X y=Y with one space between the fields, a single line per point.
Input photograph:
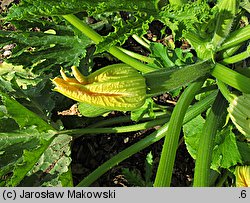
x=244 y=149
x=66 y=178
x=149 y=169
x=133 y=177
x=15 y=78
x=192 y=131
x=239 y=113
x=91 y=111
x=182 y=57
x=53 y=163
x=12 y=145
x=136 y=23
x=7 y=68
x=23 y=117
x=202 y=46
x=160 y=52
x=20 y=151
x=34 y=158
x=225 y=18
x=147 y=107
x=226 y=153
x=27 y=162
x=32 y=90
x=246 y=5
x=191 y=16
x=44 y=50
x=29 y=8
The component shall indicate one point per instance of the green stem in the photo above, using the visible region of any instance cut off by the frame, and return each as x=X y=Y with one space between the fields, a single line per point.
x=229 y=52
x=206 y=143
x=165 y=168
x=165 y=80
x=232 y=78
x=126 y=119
x=223 y=179
x=224 y=90
x=124 y=129
x=145 y=39
x=237 y=58
x=130 y=61
x=115 y=51
x=193 y=111
x=137 y=56
x=141 y=41
x=236 y=38
x=84 y=28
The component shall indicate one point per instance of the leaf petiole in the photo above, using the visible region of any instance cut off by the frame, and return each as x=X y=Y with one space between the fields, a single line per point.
x=237 y=58
x=115 y=51
x=231 y=77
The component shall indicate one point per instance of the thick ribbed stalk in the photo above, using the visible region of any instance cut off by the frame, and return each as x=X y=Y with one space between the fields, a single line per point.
x=193 y=111
x=165 y=80
x=232 y=78
x=225 y=18
x=165 y=168
x=236 y=38
x=206 y=143
x=224 y=91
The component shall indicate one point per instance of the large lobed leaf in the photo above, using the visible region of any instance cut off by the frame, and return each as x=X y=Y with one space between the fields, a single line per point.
x=226 y=152
x=52 y=166
x=28 y=8
x=29 y=145
x=45 y=50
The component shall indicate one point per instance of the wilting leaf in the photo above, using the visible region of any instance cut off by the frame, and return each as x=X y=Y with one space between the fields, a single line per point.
x=53 y=163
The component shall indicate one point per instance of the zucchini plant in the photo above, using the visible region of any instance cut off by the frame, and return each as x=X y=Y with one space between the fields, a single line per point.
x=211 y=78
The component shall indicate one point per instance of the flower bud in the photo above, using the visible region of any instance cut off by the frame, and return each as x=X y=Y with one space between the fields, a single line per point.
x=114 y=87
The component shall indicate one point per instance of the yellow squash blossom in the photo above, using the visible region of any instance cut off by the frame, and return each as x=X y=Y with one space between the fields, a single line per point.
x=114 y=87
x=242 y=174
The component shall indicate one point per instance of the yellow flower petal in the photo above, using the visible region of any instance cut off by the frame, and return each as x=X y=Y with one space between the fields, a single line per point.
x=242 y=174
x=114 y=87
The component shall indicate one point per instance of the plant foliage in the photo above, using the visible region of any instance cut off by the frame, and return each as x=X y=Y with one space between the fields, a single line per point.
x=200 y=56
